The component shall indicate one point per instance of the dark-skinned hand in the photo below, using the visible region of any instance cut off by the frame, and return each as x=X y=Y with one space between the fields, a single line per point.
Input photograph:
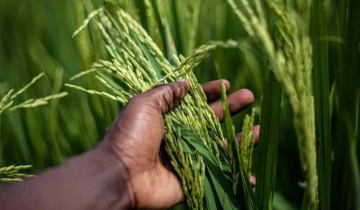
x=137 y=133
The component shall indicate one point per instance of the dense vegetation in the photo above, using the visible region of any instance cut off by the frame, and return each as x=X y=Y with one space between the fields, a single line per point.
x=36 y=37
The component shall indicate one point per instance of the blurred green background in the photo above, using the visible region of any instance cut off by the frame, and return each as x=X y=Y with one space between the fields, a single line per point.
x=36 y=36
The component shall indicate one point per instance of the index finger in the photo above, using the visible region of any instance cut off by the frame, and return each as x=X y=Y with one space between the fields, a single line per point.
x=212 y=89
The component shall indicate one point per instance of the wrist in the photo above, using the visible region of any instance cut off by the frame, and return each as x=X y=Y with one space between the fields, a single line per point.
x=94 y=180
x=117 y=181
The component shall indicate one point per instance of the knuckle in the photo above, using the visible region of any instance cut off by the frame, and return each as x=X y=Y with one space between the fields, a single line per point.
x=135 y=100
x=165 y=97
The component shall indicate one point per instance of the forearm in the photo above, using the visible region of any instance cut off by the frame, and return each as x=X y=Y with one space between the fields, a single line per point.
x=93 y=180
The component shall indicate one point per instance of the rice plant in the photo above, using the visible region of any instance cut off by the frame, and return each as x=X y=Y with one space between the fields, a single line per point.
x=290 y=58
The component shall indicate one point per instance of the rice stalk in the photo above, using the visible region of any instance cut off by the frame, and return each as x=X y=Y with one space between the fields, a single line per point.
x=247 y=142
x=39 y=101
x=12 y=173
x=87 y=20
x=6 y=103
x=27 y=86
x=290 y=55
x=83 y=73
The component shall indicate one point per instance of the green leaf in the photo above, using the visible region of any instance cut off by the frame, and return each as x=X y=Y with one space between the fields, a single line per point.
x=331 y=99
x=244 y=191
x=186 y=148
x=306 y=201
x=174 y=23
x=142 y=13
x=164 y=28
x=280 y=202
x=156 y=66
x=180 y=207
x=322 y=103
x=110 y=81
x=357 y=116
x=347 y=74
x=269 y=138
x=354 y=159
x=211 y=200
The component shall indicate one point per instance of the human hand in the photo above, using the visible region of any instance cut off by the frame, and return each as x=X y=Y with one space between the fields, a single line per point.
x=137 y=134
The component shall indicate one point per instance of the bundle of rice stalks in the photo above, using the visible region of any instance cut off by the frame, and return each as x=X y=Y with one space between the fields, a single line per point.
x=193 y=136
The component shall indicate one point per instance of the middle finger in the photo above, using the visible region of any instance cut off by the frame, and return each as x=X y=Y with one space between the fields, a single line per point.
x=237 y=102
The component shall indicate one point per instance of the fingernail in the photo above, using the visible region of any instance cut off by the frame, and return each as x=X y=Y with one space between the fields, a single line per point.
x=182 y=80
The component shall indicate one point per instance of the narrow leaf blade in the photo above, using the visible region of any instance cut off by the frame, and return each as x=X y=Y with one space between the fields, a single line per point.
x=322 y=102
x=269 y=138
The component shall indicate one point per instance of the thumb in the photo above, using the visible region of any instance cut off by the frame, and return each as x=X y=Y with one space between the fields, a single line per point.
x=166 y=97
